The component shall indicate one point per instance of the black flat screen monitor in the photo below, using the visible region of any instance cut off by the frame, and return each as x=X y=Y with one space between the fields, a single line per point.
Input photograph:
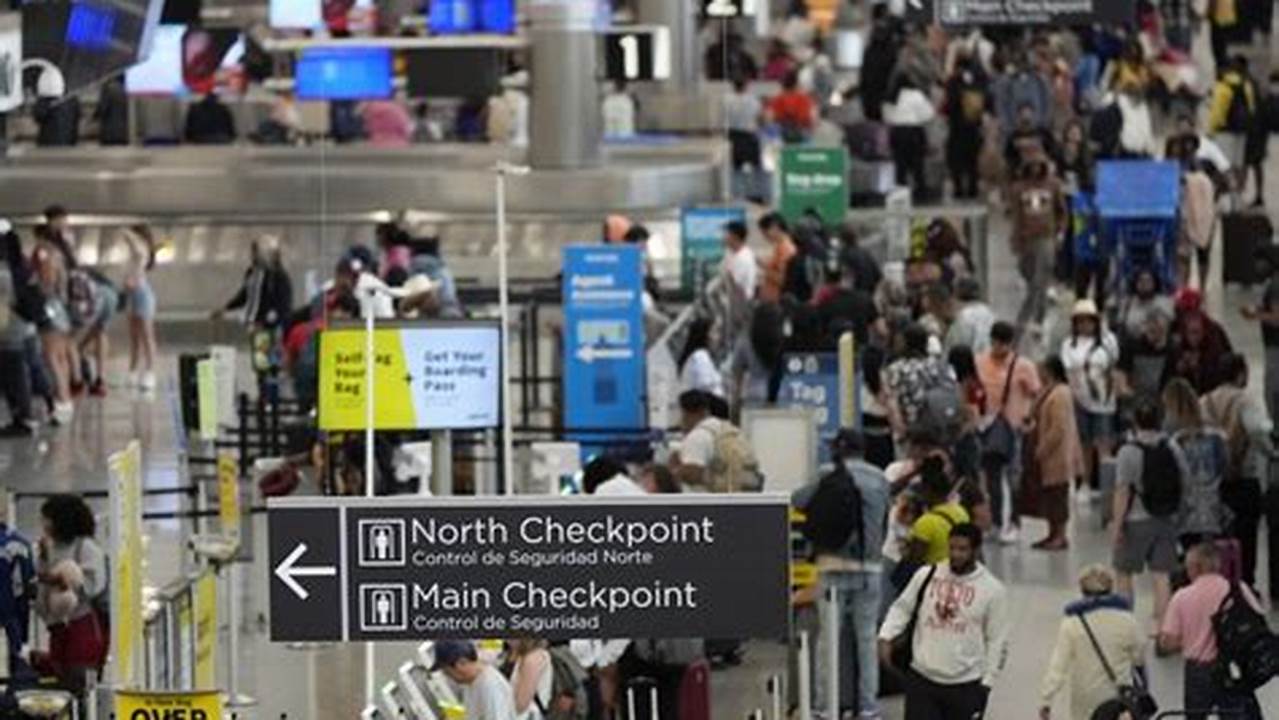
x=454 y=73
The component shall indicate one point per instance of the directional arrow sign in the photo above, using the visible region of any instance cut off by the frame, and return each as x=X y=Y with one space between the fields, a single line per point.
x=385 y=569
x=288 y=572
x=305 y=558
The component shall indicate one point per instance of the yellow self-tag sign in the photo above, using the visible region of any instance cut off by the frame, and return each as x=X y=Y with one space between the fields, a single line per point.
x=204 y=705
x=229 y=495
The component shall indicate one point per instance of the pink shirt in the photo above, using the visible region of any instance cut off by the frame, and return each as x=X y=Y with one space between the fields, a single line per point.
x=387 y=123
x=1189 y=616
x=1025 y=387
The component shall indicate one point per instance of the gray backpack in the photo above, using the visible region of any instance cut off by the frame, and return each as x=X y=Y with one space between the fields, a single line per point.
x=941 y=416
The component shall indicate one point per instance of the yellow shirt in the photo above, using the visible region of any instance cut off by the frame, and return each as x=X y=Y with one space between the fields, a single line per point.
x=933 y=529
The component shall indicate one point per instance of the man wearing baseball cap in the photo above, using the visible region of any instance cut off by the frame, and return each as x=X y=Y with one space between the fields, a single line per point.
x=485 y=693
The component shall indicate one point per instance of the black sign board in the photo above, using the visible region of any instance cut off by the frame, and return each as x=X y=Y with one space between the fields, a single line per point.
x=637 y=53
x=550 y=567
x=728 y=8
x=960 y=13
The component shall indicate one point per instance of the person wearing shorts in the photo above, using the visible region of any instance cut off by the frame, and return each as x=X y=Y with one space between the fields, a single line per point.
x=1143 y=540
x=93 y=341
x=141 y=303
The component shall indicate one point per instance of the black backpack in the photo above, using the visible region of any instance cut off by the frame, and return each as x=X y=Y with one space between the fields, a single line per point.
x=1238 y=116
x=1247 y=652
x=834 y=513
x=1160 y=479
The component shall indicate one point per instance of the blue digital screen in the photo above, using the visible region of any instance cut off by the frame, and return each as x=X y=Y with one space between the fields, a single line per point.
x=90 y=27
x=343 y=74
x=497 y=16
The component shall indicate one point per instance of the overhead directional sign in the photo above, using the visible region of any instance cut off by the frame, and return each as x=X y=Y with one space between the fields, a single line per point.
x=728 y=8
x=549 y=567
x=1022 y=12
x=637 y=52
x=603 y=338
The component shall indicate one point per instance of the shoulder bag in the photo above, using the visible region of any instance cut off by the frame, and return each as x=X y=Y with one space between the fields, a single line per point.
x=903 y=650
x=1134 y=696
x=999 y=440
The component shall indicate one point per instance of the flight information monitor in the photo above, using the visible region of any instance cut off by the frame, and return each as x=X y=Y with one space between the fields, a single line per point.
x=344 y=74
x=454 y=73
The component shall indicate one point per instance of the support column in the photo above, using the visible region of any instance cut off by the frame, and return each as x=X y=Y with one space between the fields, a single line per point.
x=679 y=17
x=564 y=115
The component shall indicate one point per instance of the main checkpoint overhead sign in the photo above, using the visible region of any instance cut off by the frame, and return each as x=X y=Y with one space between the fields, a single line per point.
x=558 y=568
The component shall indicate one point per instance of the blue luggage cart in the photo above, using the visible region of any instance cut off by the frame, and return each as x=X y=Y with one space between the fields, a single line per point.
x=1137 y=205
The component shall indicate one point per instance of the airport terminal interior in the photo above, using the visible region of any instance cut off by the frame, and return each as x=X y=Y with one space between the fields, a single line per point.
x=639 y=359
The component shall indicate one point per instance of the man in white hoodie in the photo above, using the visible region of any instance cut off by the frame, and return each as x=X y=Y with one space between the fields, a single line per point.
x=960 y=642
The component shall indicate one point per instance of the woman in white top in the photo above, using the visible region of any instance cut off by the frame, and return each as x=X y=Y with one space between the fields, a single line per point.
x=1090 y=355
x=1077 y=658
x=907 y=117
x=697 y=369
x=532 y=678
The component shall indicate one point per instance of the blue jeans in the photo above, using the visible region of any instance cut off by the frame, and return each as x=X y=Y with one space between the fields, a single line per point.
x=859 y=593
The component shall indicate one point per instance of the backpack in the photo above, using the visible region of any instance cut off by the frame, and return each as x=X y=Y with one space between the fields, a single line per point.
x=1238 y=115
x=869 y=140
x=1247 y=652
x=833 y=516
x=82 y=296
x=941 y=415
x=972 y=105
x=568 y=679
x=1161 y=480
x=734 y=467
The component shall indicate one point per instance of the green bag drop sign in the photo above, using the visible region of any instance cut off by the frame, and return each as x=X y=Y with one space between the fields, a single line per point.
x=815 y=178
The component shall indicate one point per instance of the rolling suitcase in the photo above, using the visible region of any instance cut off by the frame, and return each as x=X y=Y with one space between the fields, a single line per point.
x=695 y=692
x=641 y=699
x=1241 y=234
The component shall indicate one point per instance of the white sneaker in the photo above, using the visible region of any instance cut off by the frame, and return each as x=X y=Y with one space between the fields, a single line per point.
x=147 y=382
x=1095 y=496
x=1011 y=535
x=63 y=412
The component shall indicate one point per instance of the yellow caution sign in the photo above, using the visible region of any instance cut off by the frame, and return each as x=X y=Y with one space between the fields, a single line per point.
x=206 y=393
x=206 y=631
x=229 y=495
x=803 y=574
x=201 y=705
x=125 y=471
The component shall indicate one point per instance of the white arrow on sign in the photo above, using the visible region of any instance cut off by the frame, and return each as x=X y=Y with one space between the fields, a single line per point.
x=589 y=354
x=288 y=574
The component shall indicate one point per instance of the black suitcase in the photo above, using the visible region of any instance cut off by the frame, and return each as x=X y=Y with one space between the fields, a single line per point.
x=1241 y=234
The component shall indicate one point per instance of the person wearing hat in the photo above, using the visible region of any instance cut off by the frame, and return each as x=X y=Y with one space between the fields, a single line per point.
x=1108 y=620
x=1090 y=355
x=486 y=694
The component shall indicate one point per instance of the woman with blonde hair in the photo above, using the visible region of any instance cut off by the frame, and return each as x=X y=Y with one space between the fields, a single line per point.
x=1203 y=514
x=1098 y=648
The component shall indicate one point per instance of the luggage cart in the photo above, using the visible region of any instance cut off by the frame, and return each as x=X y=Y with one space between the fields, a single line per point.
x=1138 y=203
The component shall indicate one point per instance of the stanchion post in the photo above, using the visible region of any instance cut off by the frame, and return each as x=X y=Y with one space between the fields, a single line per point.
x=441 y=462
x=234 y=698
x=502 y=170
x=830 y=628
x=776 y=690
x=805 y=678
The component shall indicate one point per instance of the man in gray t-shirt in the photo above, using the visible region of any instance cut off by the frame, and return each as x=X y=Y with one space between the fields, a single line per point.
x=485 y=692
x=1145 y=538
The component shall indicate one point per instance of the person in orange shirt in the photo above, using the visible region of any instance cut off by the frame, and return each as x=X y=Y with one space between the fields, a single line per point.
x=774 y=267
x=793 y=110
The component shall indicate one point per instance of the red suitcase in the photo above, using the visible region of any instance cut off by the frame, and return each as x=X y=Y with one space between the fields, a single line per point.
x=695 y=692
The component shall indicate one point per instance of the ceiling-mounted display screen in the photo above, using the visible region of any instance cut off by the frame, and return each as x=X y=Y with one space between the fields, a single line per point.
x=344 y=74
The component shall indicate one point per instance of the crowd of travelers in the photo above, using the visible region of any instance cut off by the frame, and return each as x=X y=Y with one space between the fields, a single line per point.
x=1133 y=406
x=55 y=318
